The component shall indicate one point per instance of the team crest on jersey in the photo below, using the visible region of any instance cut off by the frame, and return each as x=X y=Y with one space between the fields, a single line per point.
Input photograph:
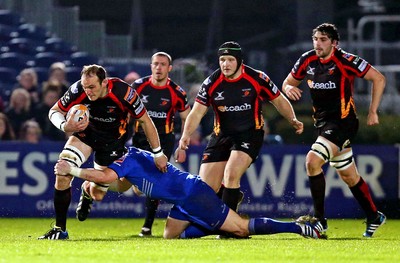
x=219 y=96
x=110 y=109
x=164 y=101
x=310 y=70
x=331 y=70
x=246 y=92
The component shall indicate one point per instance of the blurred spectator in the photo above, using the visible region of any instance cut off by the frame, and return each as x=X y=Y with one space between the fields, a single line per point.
x=52 y=91
x=2 y=108
x=57 y=73
x=19 y=108
x=6 y=130
x=30 y=132
x=131 y=77
x=28 y=80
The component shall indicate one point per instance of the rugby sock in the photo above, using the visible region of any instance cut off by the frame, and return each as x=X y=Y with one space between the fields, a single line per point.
x=230 y=197
x=195 y=231
x=221 y=191
x=151 y=210
x=362 y=195
x=62 y=200
x=268 y=226
x=317 y=188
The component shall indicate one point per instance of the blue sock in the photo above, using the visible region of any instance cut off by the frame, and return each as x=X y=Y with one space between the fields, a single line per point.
x=267 y=226
x=195 y=231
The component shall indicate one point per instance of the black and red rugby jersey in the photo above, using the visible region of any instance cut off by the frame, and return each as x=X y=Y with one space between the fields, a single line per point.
x=331 y=82
x=161 y=102
x=237 y=104
x=108 y=115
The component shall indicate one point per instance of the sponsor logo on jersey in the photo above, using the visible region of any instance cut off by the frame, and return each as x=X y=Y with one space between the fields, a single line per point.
x=139 y=108
x=318 y=85
x=107 y=120
x=144 y=98
x=243 y=107
x=202 y=92
x=362 y=65
x=156 y=114
x=219 y=96
x=207 y=81
x=310 y=70
x=245 y=145
x=328 y=132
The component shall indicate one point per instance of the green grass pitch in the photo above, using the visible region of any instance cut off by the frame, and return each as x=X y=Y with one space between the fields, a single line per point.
x=116 y=240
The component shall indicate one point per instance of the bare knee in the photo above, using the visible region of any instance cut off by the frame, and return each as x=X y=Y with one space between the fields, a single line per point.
x=169 y=235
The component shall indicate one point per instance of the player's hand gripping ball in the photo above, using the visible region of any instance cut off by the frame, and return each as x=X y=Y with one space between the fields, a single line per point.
x=80 y=111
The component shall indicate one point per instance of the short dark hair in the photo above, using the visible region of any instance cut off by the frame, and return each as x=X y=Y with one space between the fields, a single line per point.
x=327 y=29
x=97 y=70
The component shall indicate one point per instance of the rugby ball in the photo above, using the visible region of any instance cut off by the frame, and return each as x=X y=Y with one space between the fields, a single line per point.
x=80 y=111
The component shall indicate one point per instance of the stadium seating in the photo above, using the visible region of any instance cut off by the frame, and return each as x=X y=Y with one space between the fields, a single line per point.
x=32 y=31
x=58 y=45
x=8 y=75
x=6 y=32
x=24 y=46
x=45 y=59
x=15 y=60
x=42 y=73
x=81 y=58
x=10 y=18
x=73 y=74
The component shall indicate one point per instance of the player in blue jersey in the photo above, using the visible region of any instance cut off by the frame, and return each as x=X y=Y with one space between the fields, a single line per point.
x=330 y=72
x=197 y=210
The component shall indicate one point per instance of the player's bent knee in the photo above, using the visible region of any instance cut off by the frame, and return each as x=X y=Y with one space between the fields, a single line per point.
x=98 y=191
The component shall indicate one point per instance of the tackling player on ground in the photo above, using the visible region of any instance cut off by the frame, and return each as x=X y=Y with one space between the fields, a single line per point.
x=197 y=210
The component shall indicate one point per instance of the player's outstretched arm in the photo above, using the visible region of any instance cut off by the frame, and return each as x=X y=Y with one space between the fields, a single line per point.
x=106 y=176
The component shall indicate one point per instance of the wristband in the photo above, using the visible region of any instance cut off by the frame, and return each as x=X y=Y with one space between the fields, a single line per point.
x=157 y=149
x=57 y=118
x=158 y=154
x=62 y=126
x=75 y=171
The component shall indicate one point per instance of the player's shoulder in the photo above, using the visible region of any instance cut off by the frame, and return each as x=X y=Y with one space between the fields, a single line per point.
x=256 y=74
x=212 y=78
x=141 y=81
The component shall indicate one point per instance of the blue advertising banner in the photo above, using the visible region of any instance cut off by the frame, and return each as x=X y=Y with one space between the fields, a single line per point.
x=276 y=185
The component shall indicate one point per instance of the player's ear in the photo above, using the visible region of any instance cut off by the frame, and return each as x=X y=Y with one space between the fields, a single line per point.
x=104 y=82
x=169 y=68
